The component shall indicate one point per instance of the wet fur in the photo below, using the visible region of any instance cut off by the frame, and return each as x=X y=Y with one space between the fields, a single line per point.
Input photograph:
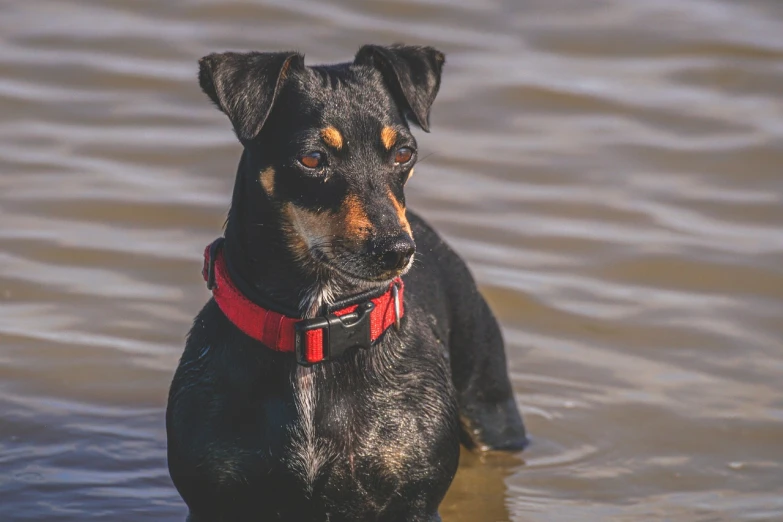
x=374 y=435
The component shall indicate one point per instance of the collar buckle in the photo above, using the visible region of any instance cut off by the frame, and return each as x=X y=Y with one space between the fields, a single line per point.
x=340 y=333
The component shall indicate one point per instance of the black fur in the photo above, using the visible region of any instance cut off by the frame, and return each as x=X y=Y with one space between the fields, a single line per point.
x=381 y=441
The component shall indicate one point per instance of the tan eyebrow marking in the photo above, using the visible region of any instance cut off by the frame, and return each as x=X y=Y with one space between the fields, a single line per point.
x=267 y=179
x=332 y=137
x=388 y=137
x=400 y=213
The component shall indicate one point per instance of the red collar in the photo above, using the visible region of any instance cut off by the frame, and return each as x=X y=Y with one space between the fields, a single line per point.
x=315 y=340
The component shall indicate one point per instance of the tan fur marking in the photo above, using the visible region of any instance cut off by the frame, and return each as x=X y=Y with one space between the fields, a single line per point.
x=357 y=224
x=400 y=213
x=296 y=231
x=395 y=460
x=410 y=174
x=284 y=70
x=332 y=137
x=388 y=137
x=317 y=228
x=306 y=230
x=267 y=179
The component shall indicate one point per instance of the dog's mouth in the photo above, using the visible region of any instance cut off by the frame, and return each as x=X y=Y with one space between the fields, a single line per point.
x=355 y=268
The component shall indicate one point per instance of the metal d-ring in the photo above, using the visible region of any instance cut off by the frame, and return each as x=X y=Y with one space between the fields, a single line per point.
x=395 y=290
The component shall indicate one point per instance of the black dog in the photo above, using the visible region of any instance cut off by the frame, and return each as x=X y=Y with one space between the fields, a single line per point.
x=331 y=378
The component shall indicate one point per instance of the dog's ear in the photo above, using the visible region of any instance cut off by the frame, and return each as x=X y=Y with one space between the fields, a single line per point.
x=412 y=73
x=244 y=86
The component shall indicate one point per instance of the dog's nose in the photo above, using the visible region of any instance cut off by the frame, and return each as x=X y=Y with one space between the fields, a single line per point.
x=396 y=252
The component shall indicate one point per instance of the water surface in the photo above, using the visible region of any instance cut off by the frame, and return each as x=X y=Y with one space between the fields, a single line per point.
x=612 y=171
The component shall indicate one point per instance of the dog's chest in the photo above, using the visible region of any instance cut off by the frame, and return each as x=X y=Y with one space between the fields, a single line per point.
x=350 y=439
x=351 y=429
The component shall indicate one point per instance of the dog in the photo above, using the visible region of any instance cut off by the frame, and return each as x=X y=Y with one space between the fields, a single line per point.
x=339 y=364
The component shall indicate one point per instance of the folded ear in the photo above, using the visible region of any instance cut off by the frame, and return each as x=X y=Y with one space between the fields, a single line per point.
x=412 y=74
x=244 y=86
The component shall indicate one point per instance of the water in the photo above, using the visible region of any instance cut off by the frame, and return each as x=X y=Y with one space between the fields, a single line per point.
x=613 y=172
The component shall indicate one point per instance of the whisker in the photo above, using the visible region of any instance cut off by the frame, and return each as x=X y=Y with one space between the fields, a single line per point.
x=422 y=160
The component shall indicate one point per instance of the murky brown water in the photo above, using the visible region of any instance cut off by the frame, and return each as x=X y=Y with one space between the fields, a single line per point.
x=613 y=170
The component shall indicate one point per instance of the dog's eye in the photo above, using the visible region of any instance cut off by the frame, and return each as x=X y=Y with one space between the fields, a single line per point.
x=403 y=155
x=312 y=160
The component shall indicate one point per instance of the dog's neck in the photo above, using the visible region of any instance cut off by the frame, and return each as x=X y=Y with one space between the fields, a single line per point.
x=258 y=251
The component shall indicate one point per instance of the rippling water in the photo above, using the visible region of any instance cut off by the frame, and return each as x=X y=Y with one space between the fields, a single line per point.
x=612 y=170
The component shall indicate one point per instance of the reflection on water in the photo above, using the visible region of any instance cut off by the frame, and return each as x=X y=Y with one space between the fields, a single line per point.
x=611 y=170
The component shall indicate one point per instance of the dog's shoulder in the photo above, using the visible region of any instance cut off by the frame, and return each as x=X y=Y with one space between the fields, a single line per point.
x=223 y=377
x=439 y=280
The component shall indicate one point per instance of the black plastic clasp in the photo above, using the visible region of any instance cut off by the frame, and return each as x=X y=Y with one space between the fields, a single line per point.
x=213 y=248
x=341 y=333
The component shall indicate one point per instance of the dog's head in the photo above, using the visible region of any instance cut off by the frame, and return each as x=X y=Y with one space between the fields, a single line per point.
x=331 y=148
